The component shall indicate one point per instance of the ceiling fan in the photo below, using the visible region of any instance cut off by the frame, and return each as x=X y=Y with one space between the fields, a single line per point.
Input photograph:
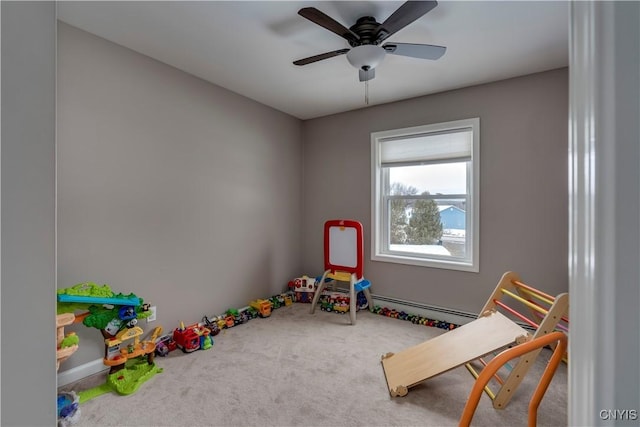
x=367 y=34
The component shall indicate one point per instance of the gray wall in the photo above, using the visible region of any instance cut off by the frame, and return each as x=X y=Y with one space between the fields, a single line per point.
x=523 y=186
x=169 y=187
x=28 y=214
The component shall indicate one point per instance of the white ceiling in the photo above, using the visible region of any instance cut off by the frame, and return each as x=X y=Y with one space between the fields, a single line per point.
x=248 y=47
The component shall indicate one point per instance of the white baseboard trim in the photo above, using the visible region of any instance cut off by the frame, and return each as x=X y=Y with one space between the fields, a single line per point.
x=425 y=310
x=81 y=371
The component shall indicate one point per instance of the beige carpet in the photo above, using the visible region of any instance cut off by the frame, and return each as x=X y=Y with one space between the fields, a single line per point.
x=297 y=369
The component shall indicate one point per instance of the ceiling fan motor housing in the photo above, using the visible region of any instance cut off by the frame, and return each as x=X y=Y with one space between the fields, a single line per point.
x=367 y=29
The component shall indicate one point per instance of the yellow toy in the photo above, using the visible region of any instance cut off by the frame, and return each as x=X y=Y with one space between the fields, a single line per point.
x=116 y=355
x=262 y=306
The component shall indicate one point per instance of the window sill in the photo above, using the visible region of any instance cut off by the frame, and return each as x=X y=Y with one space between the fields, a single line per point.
x=432 y=263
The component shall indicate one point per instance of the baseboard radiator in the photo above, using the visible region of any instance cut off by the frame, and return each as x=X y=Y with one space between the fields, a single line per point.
x=425 y=310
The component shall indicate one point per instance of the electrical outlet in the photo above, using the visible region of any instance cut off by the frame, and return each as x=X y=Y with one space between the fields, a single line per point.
x=153 y=314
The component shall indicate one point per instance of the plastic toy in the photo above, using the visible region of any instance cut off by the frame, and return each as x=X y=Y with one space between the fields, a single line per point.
x=340 y=302
x=165 y=344
x=68 y=409
x=490 y=332
x=67 y=344
x=91 y=293
x=337 y=302
x=303 y=288
x=212 y=325
x=251 y=312
x=206 y=342
x=116 y=355
x=243 y=317
x=535 y=345
x=275 y=302
x=89 y=296
x=230 y=321
x=326 y=305
x=115 y=315
x=263 y=307
x=343 y=261
x=189 y=339
x=128 y=380
x=222 y=324
x=235 y=317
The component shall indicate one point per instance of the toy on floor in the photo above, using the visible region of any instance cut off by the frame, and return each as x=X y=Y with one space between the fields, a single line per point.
x=124 y=381
x=119 y=351
x=303 y=288
x=212 y=325
x=234 y=317
x=165 y=344
x=343 y=262
x=339 y=302
x=116 y=316
x=263 y=307
x=68 y=409
x=414 y=318
x=557 y=339
x=193 y=337
x=256 y=308
x=490 y=332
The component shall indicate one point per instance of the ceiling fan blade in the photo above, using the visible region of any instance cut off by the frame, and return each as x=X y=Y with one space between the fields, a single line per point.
x=403 y=16
x=320 y=57
x=317 y=17
x=366 y=75
x=422 y=51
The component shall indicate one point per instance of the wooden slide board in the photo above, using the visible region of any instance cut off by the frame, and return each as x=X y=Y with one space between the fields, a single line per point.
x=449 y=350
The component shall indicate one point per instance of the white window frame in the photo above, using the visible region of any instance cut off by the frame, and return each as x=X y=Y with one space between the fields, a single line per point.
x=378 y=229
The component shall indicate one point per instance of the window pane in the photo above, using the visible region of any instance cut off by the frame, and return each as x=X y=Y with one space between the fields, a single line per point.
x=453 y=215
x=428 y=226
x=441 y=178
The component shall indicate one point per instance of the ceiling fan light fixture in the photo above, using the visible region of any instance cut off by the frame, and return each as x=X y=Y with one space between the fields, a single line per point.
x=366 y=56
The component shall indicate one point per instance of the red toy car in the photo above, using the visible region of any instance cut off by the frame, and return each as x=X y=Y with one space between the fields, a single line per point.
x=188 y=339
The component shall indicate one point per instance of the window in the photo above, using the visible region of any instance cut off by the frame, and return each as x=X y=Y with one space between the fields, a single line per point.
x=425 y=193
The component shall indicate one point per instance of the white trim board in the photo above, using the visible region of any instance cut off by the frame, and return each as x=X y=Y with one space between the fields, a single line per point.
x=80 y=372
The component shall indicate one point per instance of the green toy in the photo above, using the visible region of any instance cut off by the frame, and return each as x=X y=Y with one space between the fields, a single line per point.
x=116 y=316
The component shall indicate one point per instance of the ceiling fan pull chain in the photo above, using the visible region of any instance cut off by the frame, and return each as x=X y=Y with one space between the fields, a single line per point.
x=366 y=92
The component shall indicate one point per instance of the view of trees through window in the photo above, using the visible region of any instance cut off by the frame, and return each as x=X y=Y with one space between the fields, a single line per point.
x=419 y=219
x=413 y=221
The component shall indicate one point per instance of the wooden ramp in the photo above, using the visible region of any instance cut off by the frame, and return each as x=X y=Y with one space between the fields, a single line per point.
x=488 y=333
